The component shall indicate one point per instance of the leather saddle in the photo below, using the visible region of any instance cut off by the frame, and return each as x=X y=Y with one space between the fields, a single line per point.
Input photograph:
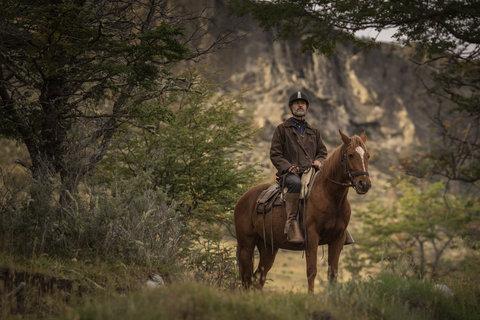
x=273 y=195
x=269 y=198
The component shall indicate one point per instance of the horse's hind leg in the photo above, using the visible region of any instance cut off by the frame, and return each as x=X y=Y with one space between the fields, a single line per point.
x=245 y=248
x=267 y=257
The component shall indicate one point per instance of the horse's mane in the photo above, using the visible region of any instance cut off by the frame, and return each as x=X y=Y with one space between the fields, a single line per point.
x=331 y=164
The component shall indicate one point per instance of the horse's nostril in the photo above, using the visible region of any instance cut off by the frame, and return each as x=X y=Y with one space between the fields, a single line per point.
x=363 y=186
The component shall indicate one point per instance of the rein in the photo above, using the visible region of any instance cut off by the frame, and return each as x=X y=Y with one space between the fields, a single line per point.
x=351 y=175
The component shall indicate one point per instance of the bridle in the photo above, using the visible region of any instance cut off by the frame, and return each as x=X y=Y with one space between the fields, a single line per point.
x=351 y=175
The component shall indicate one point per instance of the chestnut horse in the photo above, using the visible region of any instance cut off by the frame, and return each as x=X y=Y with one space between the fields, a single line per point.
x=327 y=214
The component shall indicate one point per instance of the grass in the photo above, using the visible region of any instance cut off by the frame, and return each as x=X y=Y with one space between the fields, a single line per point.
x=94 y=274
x=384 y=297
x=88 y=278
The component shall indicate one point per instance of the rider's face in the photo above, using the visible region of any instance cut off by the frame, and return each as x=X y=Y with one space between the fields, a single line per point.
x=299 y=108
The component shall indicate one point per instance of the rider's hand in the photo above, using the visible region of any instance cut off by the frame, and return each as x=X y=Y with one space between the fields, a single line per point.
x=317 y=164
x=293 y=169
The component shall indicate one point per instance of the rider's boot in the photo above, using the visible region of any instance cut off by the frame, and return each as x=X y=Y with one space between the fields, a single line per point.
x=348 y=238
x=292 y=228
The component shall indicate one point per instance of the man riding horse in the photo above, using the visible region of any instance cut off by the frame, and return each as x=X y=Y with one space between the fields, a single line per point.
x=295 y=148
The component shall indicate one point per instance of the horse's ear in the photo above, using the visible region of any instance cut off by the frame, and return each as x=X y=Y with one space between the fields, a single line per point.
x=346 y=139
x=363 y=136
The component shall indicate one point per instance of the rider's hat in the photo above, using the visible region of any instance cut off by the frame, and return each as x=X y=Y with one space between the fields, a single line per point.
x=299 y=95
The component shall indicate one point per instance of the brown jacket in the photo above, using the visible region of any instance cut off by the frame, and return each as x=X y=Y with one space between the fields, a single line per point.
x=291 y=148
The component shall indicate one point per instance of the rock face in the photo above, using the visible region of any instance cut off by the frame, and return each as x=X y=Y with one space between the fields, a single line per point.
x=377 y=90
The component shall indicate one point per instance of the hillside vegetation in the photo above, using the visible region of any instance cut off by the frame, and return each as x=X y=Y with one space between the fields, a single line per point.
x=384 y=297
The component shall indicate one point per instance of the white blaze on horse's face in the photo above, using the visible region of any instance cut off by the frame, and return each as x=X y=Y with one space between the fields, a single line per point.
x=361 y=179
x=361 y=152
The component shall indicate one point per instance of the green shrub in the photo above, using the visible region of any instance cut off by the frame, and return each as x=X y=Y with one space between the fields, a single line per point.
x=132 y=222
x=197 y=156
x=422 y=226
x=213 y=264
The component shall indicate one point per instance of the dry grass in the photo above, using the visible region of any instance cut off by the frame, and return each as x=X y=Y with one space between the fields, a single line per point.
x=288 y=273
x=384 y=297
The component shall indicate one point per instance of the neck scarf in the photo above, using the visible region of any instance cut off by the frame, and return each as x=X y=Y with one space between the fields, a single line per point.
x=299 y=125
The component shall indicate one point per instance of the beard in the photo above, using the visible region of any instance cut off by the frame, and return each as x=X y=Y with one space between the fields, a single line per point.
x=299 y=113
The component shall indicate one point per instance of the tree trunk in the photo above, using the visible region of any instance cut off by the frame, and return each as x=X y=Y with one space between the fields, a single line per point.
x=422 y=257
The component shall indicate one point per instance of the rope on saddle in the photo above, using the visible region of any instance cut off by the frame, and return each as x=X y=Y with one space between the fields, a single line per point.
x=264 y=237
x=304 y=217
x=271 y=231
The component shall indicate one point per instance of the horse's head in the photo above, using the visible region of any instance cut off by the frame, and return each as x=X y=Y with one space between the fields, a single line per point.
x=355 y=161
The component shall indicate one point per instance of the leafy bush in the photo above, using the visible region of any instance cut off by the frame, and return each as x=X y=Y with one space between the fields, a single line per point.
x=197 y=156
x=418 y=228
x=132 y=222
x=214 y=264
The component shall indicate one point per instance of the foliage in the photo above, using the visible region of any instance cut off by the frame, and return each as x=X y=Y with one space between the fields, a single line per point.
x=419 y=228
x=214 y=264
x=388 y=296
x=158 y=201
x=454 y=150
x=354 y=259
x=437 y=26
x=195 y=156
x=133 y=223
x=72 y=71
x=160 y=198
x=137 y=222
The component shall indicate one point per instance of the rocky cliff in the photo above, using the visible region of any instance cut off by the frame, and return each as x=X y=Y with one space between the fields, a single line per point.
x=377 y=90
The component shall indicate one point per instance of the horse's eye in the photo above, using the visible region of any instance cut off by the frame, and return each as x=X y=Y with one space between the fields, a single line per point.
x=368 y=155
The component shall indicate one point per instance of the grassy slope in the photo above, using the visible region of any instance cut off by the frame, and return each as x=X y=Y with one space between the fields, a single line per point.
x=87 y=277
x=386 y=297
x=90 y=274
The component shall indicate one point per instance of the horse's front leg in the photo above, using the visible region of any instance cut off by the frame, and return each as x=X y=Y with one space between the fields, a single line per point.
x=311 y=257
x=334 y=250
